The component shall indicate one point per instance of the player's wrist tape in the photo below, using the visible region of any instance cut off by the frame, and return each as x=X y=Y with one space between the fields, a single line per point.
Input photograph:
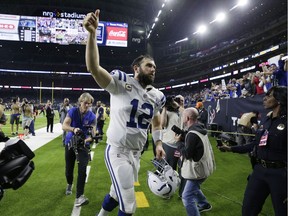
x=157 y=135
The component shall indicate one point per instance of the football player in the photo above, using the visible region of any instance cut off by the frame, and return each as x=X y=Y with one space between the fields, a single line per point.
x=135 y=104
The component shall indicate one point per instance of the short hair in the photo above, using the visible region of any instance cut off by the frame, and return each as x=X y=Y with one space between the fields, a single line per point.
x=85 y=97
x=192 y=113
x=139 y=59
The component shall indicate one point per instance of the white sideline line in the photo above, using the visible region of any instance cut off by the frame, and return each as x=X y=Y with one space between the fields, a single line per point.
x=42 y=137
x=76 y=211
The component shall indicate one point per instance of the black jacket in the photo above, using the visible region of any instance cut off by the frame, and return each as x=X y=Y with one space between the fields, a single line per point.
x=193 y=147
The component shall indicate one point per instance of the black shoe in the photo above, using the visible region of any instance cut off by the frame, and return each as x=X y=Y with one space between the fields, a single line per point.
x=205 y=208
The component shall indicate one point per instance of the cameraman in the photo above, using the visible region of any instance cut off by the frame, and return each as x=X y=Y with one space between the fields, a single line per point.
x=74 y=123
x=172 y=115
x=198 y=162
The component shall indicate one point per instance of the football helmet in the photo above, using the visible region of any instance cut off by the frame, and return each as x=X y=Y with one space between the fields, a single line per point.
x=163 y=181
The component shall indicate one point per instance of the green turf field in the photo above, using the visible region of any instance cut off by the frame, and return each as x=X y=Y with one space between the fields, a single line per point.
x=43 y=193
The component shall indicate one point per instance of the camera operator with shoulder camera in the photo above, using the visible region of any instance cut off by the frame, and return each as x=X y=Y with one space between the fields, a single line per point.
x=171 y=115
x=197 y=163
x=77 y=144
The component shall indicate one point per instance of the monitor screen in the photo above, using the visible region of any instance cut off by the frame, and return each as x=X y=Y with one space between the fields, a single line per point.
x=63 y=31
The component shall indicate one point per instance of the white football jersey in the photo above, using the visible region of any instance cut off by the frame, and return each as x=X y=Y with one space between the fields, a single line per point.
x=132 y=109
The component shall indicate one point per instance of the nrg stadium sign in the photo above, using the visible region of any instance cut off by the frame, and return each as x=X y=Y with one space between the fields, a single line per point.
x=61 y=14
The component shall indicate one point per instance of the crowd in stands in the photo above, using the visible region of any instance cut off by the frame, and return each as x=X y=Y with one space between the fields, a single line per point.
x=249 y=85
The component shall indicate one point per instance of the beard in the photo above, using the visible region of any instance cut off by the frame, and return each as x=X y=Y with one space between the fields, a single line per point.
x=144 y=79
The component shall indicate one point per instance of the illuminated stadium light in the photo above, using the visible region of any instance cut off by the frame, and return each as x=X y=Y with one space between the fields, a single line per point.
x=25 y=71
x=247 y=69
x=194 y=82
x=219 y=18
x=92 y=89
x=177 y=86
x=182 y=40
x=220 y=76
x=201 y=29
x=156 y=19
x=242 y=2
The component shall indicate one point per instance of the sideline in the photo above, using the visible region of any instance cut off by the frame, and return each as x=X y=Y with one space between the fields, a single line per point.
x=41 y=138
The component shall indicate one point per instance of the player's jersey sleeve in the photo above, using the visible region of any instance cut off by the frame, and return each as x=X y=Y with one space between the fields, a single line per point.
x=160 y=101
x=118 y=78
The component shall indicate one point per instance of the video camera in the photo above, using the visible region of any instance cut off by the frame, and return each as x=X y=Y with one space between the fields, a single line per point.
x=15 y=164
x=172 y=103
x=223 y=137
x=90 y=133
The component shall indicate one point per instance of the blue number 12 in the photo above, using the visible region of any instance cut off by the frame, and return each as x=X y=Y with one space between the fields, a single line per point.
x=143 y=125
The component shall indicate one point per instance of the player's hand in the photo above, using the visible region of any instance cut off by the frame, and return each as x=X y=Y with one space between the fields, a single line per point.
x=91 y=21
x=160 y=153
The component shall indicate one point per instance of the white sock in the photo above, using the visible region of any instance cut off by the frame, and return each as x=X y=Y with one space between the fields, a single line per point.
x=103 y=212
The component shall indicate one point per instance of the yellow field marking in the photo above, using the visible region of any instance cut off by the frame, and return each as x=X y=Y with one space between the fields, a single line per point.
x=141 y=200
x=136 y=184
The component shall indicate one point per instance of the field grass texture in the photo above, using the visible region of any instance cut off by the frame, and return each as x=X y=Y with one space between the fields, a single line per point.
x=44 y=192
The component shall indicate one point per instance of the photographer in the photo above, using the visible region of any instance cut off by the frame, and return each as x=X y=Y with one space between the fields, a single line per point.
x=172 y=115
x=198 y=163
x=77 y=144
x=244 y=127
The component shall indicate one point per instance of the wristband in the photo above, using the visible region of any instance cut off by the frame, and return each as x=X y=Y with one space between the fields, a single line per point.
x=157 y=135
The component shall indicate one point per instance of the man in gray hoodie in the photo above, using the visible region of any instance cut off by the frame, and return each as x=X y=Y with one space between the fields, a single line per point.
x=197 y=163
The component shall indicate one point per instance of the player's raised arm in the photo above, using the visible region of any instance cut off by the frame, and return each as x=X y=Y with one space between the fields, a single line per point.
x=101 y=76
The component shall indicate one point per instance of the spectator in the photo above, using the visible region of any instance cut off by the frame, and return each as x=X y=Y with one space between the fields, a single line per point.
x=256 y=80
x=203 y=114
x=280 y=75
